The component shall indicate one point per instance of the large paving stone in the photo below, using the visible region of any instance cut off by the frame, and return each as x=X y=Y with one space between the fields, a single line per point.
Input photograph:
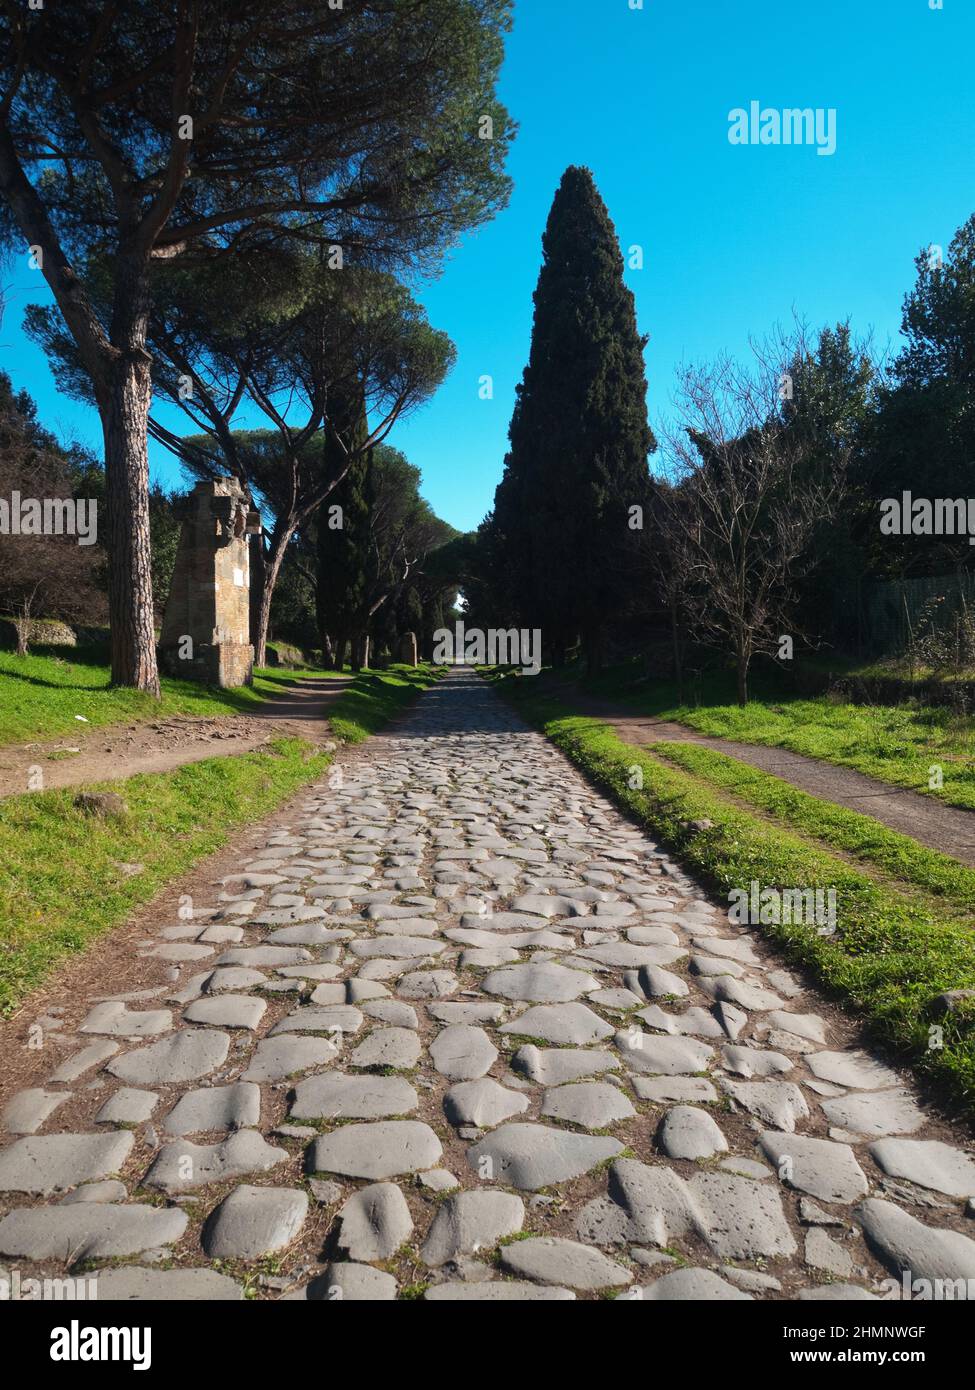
x=753 y=1061
x=627 y=955
x=277 y=1058
x=573 y=1023
x=254 y=956
x=428 y=984
x=532 y=1156
x=25 y=1112
x=462 y=1052
x=686 y=1132
x=79 y=1062
x=747 y=994
x=687 y=1286
x=469 y=1223
x=589 y=1104
x=777 y=1103
x=836 y=1293
x=657 y=1055
x=857 y=1069
x=927 y=1162
x=552 y=1066
x=136 y=1283
x=375 y=1222
x=548 y=905
x=876 y=1112
x=128 y=1106
x=739 y=1219
x=742 y=1219
x=483 y=1103
x=397 y=947
x=391 y=1011
x=817 y=1166
x=906 y=1244
x=338 y=1018
x=348 y=1283
x=384 y=1150
x=551 y=1260
x=227 y=1011
x=116 y=1020
x=185 y=1055
x=255 y=1221
x=664 y=1090
x=215 y=1108
x=809 y=1026
x=110 y=1190
x=339 y=1097
x=236 y=977
x=545 y=983
x=694 y=1021
x=51 y=1163
x=473 y=1012
x=89 y=1230
x=183 y=1165
x=505 y=1291
x=388 y=1047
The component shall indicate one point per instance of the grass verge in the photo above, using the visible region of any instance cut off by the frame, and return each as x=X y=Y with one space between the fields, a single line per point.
x=62 y=885
x=897 y=744
x=374 y=699
x=889 y=958
x=42 y=694
x=894 y=854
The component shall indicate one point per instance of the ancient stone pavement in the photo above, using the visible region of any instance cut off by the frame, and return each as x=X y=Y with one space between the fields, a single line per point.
x=463 y=1032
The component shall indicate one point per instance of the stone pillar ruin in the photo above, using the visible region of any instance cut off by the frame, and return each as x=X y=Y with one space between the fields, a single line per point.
x=206 y=628
x=407 y=649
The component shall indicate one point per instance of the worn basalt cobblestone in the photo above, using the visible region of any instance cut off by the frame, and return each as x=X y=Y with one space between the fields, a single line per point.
x=461 y=1031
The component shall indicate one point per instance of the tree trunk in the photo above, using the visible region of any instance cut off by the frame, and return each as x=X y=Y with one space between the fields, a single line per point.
x=257 y=567
x=341 y=642
x=273 y=561
x=125 y=416
x=742 y=679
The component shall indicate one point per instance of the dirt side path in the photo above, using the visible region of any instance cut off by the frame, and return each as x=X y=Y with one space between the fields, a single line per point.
x=946 y=828
x=122 y=750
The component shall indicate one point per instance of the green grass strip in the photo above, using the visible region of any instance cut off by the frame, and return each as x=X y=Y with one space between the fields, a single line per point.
x=897 y=744
x=865 y=838
x=369 y=704
x=43 y=694
x=889 y=957
x=62 y=886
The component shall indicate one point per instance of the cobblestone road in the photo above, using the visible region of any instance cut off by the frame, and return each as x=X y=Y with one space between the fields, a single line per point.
x=463 y=1032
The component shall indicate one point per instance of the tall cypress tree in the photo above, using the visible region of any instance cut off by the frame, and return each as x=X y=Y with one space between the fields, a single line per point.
x=579 y=435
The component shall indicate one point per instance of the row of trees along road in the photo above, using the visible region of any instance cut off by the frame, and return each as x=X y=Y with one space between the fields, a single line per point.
x=762 y=522
x=168 y=138
x=317 y=351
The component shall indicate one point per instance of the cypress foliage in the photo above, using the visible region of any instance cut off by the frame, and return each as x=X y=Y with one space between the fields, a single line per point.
x=579 y=435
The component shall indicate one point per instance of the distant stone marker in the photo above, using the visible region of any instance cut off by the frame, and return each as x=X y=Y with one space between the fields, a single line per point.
x=206 y=628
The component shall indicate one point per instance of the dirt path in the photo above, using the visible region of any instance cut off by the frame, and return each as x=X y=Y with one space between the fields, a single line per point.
x=122 y=750
x=945 y=828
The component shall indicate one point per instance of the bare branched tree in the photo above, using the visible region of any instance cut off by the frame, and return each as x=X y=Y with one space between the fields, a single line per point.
x=750 y=496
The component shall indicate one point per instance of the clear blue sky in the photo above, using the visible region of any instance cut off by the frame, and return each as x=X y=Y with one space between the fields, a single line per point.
x=734 y=238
